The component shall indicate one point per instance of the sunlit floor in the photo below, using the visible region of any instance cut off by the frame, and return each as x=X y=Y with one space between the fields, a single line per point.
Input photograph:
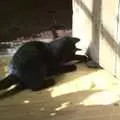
x=85 y=94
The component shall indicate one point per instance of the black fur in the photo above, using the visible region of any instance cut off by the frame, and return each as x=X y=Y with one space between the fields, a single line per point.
x=64 y=50
x=30 y=63
x=34 y=61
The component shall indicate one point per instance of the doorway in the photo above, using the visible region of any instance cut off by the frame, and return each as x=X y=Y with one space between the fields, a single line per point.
x=26 y=18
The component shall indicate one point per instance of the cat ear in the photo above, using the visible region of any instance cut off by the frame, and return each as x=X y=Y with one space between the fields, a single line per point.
x=75 y=40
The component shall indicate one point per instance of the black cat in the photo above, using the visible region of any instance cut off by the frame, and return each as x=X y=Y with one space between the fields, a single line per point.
x=35 y=61
x=64 y=49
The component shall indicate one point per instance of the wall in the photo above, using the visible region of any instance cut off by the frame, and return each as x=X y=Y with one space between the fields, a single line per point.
x=26 y=17
x=108 y=36
x=94 y=21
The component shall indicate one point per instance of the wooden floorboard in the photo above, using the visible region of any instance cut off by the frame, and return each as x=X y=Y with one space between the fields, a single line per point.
x=67 y=100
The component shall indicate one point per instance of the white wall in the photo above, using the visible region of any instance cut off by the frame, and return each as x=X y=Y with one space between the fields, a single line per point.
x=94 y=21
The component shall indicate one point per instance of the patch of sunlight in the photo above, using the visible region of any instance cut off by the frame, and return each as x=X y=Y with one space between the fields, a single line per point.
x=63 y=105
x=11 y=87
x=102 y=98
x=26 y=101
x=52 y=114
x=6 y=71
x=99 y=80
x=42 y=109
x=4 y=62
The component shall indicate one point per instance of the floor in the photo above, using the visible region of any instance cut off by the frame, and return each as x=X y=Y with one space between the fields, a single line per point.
x=85 y=94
